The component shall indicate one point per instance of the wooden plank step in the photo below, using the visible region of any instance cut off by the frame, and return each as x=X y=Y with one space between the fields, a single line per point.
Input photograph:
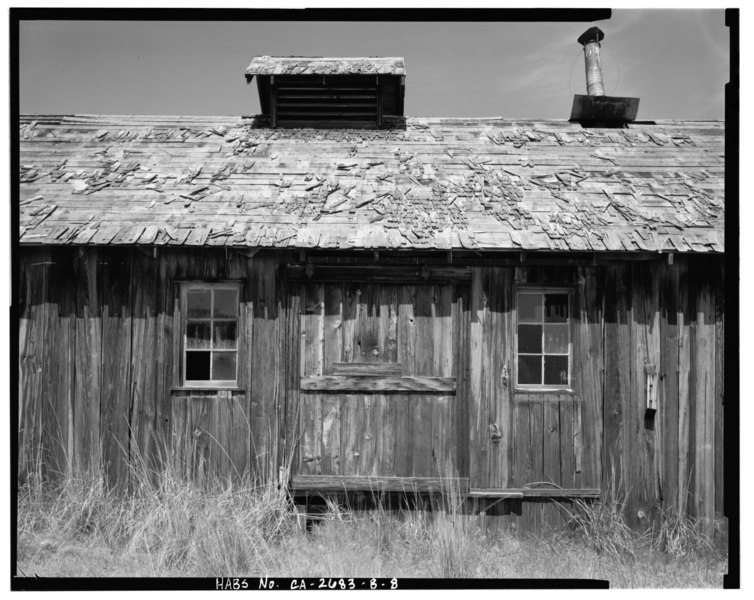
x=379 y=484
x=533 y=493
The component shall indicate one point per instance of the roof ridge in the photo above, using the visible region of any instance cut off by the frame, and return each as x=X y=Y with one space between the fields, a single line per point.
x=96 y=116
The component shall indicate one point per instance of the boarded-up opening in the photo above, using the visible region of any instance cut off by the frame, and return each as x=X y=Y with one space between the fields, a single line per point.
x=379 y=366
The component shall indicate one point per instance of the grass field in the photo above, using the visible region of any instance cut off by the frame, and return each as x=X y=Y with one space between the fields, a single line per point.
x=171 y=528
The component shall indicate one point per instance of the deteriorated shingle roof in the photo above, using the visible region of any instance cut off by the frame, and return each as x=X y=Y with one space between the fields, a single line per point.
x=320 y=65
x=438 y=183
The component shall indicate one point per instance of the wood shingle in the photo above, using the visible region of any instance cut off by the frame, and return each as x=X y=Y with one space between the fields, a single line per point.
x=431 y=183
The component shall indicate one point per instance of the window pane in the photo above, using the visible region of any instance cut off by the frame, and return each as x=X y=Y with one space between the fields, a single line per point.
x=556 y=339
x=223 y=366
x=530 y=369
x=556 y=370
x=197 y=366
x=197 y=334
x=530 y=308
x=225 y=335
x=556 y=308
x=530 y=338
x=198 y=303
x=226 y=303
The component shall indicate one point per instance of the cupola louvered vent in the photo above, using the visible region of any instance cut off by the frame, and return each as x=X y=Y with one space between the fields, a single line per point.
x=329 y=92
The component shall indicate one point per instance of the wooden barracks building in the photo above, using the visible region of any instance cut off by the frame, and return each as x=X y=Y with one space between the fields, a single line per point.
x=353 y=300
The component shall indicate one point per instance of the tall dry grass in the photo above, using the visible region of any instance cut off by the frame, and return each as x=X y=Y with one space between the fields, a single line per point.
x=165 y=525
x=603 y=525
x=166 y=522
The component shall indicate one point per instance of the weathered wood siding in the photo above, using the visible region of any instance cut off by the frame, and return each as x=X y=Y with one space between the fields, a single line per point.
x=99 y=375
x=670 y=316
x=99 y=365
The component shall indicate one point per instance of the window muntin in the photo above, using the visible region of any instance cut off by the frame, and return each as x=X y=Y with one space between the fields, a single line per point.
x=210 y=334
x=543 y=338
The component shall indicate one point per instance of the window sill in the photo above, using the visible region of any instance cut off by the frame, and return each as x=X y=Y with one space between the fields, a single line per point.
x=543 y=392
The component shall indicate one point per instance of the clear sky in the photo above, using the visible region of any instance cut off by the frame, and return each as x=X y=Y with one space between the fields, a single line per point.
x=675 y=61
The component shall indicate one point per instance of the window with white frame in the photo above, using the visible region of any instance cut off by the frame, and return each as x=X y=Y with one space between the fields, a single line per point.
x=210 y=334
x=543 y=338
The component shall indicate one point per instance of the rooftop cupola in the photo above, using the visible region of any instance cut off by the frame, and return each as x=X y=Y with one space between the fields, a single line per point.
x=596 y=109
x=296 y=91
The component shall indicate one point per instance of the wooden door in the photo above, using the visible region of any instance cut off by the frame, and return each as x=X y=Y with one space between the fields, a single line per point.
x=524 y=431
x=379 y=378
x=556 y=421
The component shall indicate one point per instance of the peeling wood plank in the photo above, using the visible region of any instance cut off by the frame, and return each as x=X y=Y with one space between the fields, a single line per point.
x=368 y=383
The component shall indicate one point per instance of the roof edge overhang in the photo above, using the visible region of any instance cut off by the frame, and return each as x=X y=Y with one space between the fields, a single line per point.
x=519 y=254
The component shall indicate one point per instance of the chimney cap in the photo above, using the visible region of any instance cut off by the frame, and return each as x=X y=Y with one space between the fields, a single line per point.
x=593 y=34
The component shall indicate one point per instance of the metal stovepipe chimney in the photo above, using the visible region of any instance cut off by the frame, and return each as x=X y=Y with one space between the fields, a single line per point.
x=590 y=39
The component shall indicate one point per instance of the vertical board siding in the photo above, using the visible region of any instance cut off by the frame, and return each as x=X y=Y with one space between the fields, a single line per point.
x=32 y=283
x=351 y=432
x=99 y=378
x=719 y=458
x=668 y=397
x=478 y=440
x=460 y=425
x=145 y=370
x=312 y=364
x=366 y=342
x=497 y=366
x=58 y=380
x=703 y=365
x=567 y=422
x=528 y=435
x=490 y=423
x=114 y=273
x=290 y=425
x=404 y=434
x=684 y=392
x=588 y=356
x=99 y=347
x=668 y=316
x=46 y=338
x=63 y=317
x=643 y=424
x=205 y=431
x=617 y=412
x=423 y=354
x=332 y=351
x=330 y=411
x=266 y=361
x=88 y=360
x=167 y=357
x=551 y=444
